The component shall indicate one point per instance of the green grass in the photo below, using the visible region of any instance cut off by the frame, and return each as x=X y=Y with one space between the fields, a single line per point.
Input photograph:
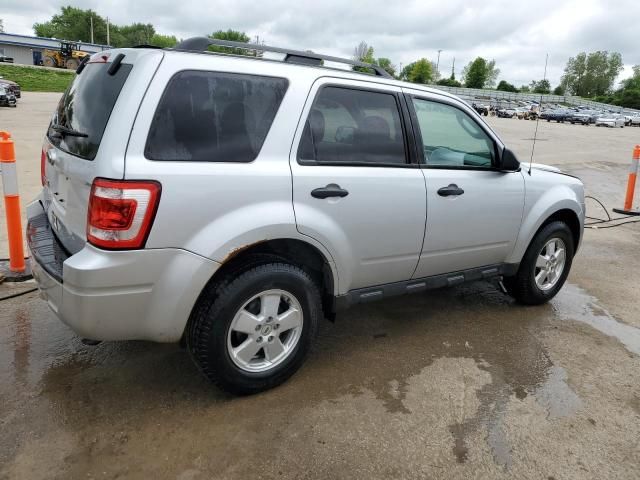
x=37 y=79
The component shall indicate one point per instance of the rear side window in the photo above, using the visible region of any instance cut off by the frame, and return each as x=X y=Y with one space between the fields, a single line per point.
x=83 y=112
x=214 y=117
x=353 y=127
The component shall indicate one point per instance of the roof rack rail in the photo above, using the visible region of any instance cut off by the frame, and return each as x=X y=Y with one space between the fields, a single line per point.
x=291 y=56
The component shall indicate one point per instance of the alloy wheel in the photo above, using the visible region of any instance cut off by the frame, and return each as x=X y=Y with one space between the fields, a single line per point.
x=265 y=331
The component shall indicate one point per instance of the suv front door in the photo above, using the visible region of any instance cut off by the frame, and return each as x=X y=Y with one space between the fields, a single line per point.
x=474 y=211
x=354 y=188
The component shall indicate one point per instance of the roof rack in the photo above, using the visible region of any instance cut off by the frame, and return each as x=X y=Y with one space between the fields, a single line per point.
x=199 y=44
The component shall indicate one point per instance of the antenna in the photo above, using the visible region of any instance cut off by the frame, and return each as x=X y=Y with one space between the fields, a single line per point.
x=535 y=135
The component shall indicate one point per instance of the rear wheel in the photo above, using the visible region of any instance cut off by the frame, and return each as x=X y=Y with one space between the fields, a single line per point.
x=544 y=267
x=252 y=332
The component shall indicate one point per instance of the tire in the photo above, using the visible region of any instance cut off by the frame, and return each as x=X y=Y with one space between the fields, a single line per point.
x=72 y=64
x=49 y=62
x=212 y=336
x=523 y=286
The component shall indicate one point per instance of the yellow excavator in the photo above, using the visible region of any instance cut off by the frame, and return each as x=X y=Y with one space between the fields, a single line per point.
x=69 y=56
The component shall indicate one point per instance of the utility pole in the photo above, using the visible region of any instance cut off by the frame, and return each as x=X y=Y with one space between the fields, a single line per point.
x=453 y=67
x=91 y=21
x=438 y=64
x=108 y=39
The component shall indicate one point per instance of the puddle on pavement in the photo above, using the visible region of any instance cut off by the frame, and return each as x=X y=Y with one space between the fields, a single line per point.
x=376 y=348
x=576 y=304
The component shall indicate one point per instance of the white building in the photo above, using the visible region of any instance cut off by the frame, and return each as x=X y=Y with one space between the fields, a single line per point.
x=27 y=50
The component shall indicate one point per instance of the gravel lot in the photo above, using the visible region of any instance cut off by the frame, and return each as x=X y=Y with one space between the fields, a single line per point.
x=458 y=383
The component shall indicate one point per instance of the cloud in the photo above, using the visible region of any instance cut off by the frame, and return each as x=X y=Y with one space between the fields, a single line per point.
x=518 y=35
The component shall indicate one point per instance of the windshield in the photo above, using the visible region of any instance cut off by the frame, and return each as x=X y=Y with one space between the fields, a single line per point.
x=85 y=108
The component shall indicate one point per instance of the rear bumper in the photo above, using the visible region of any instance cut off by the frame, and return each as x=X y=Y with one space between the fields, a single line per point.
x=123 y=295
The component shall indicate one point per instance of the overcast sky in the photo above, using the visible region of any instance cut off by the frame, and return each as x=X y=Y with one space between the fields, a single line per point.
x=517 y=34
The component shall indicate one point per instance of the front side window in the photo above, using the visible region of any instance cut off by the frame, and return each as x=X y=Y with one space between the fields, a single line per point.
x=214 y=117
x=353 y=127
x=451 y=138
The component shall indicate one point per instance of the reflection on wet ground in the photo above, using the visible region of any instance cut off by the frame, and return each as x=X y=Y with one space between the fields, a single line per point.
x=576 y=304
x=104 y=395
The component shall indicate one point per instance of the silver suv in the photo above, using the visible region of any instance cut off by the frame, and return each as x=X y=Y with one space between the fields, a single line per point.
x=231 y=202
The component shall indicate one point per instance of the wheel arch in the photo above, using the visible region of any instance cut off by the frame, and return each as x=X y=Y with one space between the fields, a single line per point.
x=544 y=212
x=295 y=251
x=569 y=217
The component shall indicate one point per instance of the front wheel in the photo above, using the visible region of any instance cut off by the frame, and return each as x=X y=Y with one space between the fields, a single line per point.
x=544 y=267
x=252 y=332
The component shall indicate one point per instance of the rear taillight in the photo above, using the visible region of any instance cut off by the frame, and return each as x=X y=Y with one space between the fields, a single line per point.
x=121 y=212
x=43 y=161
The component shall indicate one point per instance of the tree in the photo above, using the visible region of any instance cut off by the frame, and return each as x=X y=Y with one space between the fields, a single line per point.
x=524 y=89
x=74 y=24
x=593 y=74
x=232 y=36
x=386 y=64
x=541 y=86
x=1 y=26
x=406 y=70
x=363 y=53
x=131 y=35
x=629 y=94
x=480 y=73
x=492 y=74
x=421 y=71
x=505 y=86
x=165 y=41
x=449 y=82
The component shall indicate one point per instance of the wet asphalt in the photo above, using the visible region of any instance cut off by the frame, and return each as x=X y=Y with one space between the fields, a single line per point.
x=455 y=383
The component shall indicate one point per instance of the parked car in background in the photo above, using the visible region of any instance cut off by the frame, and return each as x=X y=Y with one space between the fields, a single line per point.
x=560 y=115
x=582 y=117
x=632 y=119
x=4 y=59
x=12 y=86
x=506 y=112
x=610 y=120
x=481 y=108
x=7 y=99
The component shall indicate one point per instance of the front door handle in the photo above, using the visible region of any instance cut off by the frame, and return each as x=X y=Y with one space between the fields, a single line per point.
x=450 y=191
x=331 y=190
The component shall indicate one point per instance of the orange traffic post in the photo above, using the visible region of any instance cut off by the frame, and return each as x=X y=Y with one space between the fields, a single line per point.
x=12 y=203
x=631 y=185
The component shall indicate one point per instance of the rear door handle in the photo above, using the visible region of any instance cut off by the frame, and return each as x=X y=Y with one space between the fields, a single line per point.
x=450 y=191
x=331 y=190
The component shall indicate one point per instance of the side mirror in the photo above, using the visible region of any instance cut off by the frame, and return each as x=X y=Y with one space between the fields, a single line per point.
x=508 y=161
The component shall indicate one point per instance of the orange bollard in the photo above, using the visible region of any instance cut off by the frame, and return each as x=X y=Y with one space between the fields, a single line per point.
x=631 y=185
x=12 y=202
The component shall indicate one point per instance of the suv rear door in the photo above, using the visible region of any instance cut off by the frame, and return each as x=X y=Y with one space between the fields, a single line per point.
x=88 y=136
x=354 y=188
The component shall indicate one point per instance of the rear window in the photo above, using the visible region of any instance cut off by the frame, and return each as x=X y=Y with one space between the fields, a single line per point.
x=85 y=109
x=214 y=117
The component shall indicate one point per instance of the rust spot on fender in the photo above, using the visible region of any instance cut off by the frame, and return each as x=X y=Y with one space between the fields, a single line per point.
x=237 y=251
